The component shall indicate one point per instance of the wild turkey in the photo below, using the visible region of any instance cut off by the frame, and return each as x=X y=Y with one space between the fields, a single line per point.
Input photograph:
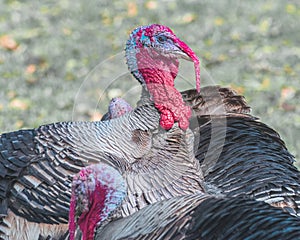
x=98 y=191
x=37 y=165
x=152 y=54
x=209 y=120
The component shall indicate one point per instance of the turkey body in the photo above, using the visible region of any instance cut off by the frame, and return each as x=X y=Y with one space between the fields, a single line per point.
x=38 y=165
x=39 y=190
x=195 y=217
x=253 y=161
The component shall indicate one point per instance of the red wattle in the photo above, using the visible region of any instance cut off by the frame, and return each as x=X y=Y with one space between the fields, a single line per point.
x=88 y=220
x=159 y=74
x=72 y=224
x=166 y=119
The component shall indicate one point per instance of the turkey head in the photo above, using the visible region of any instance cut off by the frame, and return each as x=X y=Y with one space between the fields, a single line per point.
x=152 y=54
x=97 y=190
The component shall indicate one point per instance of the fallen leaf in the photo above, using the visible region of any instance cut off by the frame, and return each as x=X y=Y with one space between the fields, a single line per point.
x=264 y=25
x=235 y=36
x=239 y=89
x=19 y=104
x=31 y=80
x=222 y=57
x=207 y=55
x=265 y=83
x=151 y=5
x=11 y=94
x=31 y=68
x=287 y=93
x=96 y=116
x=290 y=8
x=289 y=70
x=288 y=107
x=8 y=42
x=19 y=124
x=132 y=9
x=219 y=21
x=67 y=31
x=189 y=17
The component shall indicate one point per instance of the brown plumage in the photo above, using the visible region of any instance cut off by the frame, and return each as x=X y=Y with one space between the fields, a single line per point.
x=239 y=154
x=215 y=100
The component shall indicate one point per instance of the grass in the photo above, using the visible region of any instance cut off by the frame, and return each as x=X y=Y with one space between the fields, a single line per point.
x=56 y=59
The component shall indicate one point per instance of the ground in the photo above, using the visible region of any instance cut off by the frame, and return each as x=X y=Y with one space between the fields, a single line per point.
x=63 y=61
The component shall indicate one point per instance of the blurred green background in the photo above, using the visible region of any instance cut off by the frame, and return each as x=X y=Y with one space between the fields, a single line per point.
x=62 y=61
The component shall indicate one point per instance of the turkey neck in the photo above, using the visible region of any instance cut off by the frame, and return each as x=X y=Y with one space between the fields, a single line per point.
x=156 y=69
x=159 y=73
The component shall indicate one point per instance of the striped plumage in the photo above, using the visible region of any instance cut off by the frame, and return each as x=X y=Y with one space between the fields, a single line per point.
x=250 y=159
x=57 y=149
x=191 y=216
x=37 y=165
x=215 y=100
x=203 y=216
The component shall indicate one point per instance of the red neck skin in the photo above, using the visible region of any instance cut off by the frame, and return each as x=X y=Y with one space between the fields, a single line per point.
x=159 y=73
x=88 y=220
x=72 y=223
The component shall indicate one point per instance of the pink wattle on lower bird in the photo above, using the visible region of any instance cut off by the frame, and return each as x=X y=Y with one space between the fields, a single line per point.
x=97 y=191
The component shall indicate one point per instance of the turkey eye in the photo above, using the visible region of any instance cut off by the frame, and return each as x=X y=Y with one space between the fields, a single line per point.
x=162 y=39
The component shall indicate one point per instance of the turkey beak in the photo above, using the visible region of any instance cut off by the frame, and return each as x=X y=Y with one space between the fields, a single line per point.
x=180 y=54
x=185 y=52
